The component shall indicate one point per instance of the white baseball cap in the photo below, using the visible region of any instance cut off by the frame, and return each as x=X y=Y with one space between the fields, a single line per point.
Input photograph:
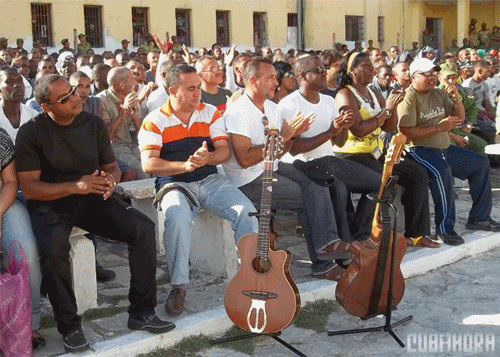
x=422 y=65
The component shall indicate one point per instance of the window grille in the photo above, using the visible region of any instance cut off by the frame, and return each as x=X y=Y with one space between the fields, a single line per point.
x=380 y=26
x=259 y=29
x=93 y=25
x=41 y=23
x=140 y=25
x=222 y=27
x=183 y=26
x=292 y=20
x=354 y=28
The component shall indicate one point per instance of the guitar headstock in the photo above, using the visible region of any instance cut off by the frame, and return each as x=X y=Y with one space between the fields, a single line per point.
x=273 y=144
x=395 y=149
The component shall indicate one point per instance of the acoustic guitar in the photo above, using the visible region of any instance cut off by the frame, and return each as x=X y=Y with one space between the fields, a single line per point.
x=262 y=297
x=363 y=288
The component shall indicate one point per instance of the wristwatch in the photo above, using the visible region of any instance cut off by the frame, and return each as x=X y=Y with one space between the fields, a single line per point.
x=387 y=112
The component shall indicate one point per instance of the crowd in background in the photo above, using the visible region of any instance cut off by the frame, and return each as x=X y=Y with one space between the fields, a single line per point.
x=124 y=86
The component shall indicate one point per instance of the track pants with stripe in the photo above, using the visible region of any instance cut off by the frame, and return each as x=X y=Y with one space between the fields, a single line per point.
x=444 y=164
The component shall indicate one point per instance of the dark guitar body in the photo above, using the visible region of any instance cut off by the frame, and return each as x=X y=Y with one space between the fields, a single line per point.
x=273 y=286
x=355 y=289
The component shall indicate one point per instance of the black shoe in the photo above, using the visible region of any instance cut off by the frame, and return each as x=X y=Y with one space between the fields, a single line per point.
x=37 y=342
x=150 y=323
x=451 y=238
x=322 y=267
x=488 y=225
x=75 y=341
x=102 y=274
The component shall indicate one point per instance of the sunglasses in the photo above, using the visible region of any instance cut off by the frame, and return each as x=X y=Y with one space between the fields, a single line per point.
x=289 y=74
x=319 y=70
x=64 y=99
x=429 y=73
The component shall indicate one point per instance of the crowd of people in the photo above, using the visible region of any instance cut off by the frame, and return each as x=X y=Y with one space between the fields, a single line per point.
x=197 y=121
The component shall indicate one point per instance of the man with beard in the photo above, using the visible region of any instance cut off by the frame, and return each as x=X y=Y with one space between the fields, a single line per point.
x=246 y=120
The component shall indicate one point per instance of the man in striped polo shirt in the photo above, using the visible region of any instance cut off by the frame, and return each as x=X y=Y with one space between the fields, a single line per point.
x=181 y=143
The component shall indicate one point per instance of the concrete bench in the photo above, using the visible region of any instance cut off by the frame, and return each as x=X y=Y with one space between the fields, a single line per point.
x=82 y=261
x=212 y=246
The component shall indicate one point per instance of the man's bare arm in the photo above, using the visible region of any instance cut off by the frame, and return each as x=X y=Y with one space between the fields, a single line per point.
x=418 y=133
x=34 y=189
x=245 y=153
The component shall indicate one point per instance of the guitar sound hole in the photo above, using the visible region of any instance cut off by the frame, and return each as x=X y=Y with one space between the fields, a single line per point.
x=261 y=265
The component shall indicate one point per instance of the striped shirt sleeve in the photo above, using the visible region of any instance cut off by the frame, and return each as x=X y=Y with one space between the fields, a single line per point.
x=217 y=127
x=150 y=135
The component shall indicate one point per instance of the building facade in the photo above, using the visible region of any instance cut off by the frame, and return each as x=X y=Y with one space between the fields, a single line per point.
x=311 y=24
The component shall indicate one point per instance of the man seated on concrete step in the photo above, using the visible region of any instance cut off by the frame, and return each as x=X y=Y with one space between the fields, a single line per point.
x=121 y=110
x=68 y=173
x=181 y=143
x=427 y=114
x=246 y=121
x=315 y=146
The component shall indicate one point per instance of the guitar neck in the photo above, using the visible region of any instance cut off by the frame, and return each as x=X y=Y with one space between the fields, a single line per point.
x=265 y=210
x=386 y=174
x=393 y=156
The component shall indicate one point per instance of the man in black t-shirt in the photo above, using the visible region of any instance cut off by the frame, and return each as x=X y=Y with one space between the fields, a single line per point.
x=68 y=172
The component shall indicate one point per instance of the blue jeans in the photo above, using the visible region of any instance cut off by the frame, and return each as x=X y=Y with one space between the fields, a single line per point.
x=294 y=191
x=214 y=193
x=16 y=225
x=442 y=166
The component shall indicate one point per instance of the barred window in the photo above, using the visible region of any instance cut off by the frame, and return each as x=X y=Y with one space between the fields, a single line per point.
x=354 y=28
x=41 y=23
x=222 y=27
x=380 y=26
x=140 y=25
x=259 y=29
x=183 y=26
x=93 y=25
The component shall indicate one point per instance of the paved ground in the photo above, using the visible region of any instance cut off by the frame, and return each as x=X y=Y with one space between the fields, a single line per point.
x=439 y=301
x=461 y=299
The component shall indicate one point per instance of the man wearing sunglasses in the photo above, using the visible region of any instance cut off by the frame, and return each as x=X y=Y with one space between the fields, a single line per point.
x=68 y=173
x=210 y=73
x=246 y=121
x=427 y=114
x=314 y=149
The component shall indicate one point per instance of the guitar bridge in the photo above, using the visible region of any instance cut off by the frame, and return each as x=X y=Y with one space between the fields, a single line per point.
x=261 y=295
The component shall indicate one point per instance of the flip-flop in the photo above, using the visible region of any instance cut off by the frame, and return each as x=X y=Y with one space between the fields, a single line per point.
x=422 y=241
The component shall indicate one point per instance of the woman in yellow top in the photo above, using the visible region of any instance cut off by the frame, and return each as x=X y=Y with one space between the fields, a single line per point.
x=372 y=114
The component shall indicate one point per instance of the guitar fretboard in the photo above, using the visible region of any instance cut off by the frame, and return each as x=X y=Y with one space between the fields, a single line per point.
x=265 y=210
